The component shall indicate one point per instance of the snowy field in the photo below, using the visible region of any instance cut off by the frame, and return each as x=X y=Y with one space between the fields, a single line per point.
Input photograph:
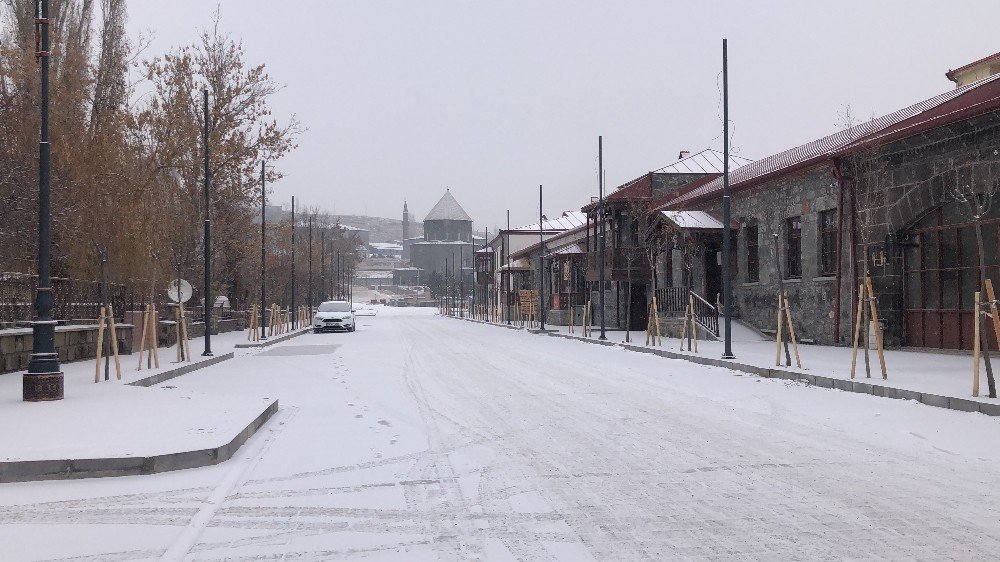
x=427 y=438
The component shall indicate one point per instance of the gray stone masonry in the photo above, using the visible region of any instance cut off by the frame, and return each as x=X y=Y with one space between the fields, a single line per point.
x=73 y=343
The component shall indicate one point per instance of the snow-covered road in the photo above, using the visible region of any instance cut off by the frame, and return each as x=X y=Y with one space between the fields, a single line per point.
x=420 y=437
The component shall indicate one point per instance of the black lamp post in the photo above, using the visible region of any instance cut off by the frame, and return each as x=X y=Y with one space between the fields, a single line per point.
x=208 y=241
x=293 y=263
x=600 y=217
x=727 y=282
x=541 y=264
x=310 y=297
x=44 y=380
x=263 y=234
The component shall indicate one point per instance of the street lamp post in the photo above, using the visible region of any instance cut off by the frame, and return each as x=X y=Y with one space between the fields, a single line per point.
x=293 y=264
x=263 y=235
x=310 y=266
x=541 y=264
x=727 y=282
x=208 y=240
x=322 y=265
x=43 y=381
x=600 y=217
x=506 y=284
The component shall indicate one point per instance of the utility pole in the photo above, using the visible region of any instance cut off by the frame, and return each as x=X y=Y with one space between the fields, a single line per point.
x=600 y=217
x=208 y=238
x=310 y=297
x=727 y=283
x=322 y=265
x=541 y=264
x=263 y=256
x=44 y=380
x=506 y=284
x=293 y=263
x=461 y=281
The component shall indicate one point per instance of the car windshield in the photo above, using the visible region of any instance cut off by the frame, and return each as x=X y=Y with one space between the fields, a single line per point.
x=335 y=307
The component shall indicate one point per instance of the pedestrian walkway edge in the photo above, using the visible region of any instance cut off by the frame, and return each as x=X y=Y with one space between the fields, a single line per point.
x=174 y=373
x=71 y=469
x=935 y=400
x=273 y=340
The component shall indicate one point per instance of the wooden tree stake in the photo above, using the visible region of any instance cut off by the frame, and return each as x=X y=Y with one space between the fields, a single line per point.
x=878 y=325
x=791 y=331
x=100 y=345
x=976 y=349
x=114 y=341
x=857 y=328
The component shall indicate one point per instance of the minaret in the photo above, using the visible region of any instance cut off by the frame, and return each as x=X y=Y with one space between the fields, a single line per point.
x=406 y=221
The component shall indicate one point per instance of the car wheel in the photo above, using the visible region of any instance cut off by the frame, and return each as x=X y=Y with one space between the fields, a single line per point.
x=315 y=331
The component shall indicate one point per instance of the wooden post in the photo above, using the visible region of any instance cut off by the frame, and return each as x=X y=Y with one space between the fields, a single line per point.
x=100 y=345
x=177 y=332
x=142 y=336
x=184 y=333
x=114 y=341
x=878 y=326
x=153 y=335
x=694 y=324
x=857 y=328
x=778 y=334
x=976 y=348
x=993 y=308
x=791 y=330
x=659 y=332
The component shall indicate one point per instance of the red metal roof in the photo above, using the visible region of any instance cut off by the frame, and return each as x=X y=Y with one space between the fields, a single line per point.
x=952 y=106
x=951 y=73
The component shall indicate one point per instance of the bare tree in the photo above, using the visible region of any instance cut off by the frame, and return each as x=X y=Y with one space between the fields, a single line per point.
x=977 y=198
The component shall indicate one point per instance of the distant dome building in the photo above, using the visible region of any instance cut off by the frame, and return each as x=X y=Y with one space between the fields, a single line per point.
x=447 y=239
x=447 y=222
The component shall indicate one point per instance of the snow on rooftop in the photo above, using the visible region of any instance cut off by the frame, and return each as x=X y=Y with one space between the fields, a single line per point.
x=708 y=161
x=696 y=220
x=565 y=221
x=447 y=209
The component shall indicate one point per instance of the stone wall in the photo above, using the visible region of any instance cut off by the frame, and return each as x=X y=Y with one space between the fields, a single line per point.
x=812 y=296
x=908 y=179
x=73 y=343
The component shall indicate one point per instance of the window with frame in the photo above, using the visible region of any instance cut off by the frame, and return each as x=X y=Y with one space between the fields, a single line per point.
x=793 y=248
x=753 y=250
x=828 y=242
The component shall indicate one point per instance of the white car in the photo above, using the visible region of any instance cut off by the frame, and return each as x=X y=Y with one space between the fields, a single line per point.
x=334 y=316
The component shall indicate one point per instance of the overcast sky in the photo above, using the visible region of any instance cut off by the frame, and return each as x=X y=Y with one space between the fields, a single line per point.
x=405 y=98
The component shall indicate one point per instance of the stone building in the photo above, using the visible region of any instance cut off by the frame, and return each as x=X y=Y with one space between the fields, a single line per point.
x=879 y=198
x=447 y=241
x=629 y=225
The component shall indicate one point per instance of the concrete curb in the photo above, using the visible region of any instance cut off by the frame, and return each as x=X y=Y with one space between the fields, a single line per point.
x=273 y=340
x=29 y=471
x=935 y=400
x=174 y=373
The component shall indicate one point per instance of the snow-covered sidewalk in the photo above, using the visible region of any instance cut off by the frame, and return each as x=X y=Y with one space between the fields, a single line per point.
x=936 y=373
x=112 y=419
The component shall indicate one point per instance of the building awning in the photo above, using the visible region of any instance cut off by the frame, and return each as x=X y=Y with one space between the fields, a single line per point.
x=572 y=249
x=693 y=220
x=519 y=265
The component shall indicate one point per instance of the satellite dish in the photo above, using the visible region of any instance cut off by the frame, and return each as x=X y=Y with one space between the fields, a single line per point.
x=179 y=290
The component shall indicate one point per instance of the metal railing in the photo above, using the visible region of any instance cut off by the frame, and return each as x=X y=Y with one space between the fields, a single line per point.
x=674 y=301
x=78 y=299
x=73 y=298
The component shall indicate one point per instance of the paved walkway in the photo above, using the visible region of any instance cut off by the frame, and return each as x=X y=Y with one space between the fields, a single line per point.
x=945 y=374
x=426 y=438
x=111 y=419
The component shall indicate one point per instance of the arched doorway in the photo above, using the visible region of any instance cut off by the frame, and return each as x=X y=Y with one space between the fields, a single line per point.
x=941 y=276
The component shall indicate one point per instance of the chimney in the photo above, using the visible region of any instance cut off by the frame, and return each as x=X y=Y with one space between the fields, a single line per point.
x=684 y=154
